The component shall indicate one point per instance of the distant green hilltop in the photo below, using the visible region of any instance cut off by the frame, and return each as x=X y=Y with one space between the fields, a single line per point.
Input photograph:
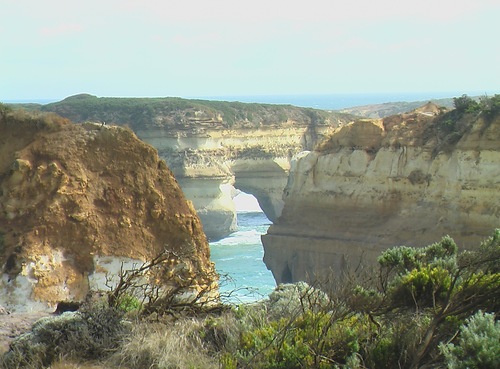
x=174 y=111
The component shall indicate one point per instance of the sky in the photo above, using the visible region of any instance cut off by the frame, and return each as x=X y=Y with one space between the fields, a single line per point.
x=246 y=202
x=52 y=49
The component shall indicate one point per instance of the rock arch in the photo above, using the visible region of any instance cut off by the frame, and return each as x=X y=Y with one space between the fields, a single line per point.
x=209 y=165
x=264 y=179
x=212 y=197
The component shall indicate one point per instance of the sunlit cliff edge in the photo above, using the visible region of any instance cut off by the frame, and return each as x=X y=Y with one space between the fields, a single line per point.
x=407 y=179
x=77 y=202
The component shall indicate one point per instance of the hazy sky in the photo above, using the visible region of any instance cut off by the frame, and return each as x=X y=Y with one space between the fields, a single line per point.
x=56 y=48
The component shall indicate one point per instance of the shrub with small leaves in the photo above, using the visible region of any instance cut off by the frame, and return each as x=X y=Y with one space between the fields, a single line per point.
x=466 y=104
x=478 y=345
x=292 y=299
x=91 y=334
x=128 y=303
x=424 y=286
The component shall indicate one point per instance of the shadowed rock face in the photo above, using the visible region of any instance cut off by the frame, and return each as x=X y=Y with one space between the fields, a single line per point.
x=380 y=183
x=78 y=200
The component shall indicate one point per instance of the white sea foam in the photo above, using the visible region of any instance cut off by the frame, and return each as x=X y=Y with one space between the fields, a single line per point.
x=239 y=238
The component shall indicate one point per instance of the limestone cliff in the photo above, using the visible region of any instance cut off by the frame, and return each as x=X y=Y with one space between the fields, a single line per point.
x=77 y=201
x=404 y=180
x=214 y=147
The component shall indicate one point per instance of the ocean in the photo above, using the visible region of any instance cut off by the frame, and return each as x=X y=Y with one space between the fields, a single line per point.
x=340 y=100
x=238 y=259
x=318 y=101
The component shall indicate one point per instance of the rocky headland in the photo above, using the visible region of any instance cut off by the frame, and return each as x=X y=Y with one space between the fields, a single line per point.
x=215 y=147
x=387 y=109
x=408 y=179
x=80 y=202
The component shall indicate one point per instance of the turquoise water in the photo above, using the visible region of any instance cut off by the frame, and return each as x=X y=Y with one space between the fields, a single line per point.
x=238 y=259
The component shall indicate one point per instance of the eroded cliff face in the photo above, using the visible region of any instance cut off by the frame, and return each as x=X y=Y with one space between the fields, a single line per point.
x=210 y=166
x=215 y=147
x=381 y=183
x=77 y=202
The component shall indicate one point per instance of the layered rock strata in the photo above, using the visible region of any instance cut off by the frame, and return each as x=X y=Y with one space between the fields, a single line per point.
x=80 y=202
x=210 y=167
x=403 y=180
x=214 y=147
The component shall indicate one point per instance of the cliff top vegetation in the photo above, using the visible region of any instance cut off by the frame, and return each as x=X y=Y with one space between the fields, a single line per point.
x=437 y=128
x=178 y=112
x=392 y=108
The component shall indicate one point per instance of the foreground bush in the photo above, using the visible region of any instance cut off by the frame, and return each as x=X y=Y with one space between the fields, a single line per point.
x=478 y=345
x=88 y=335
x=418 y=299
x=424 y=307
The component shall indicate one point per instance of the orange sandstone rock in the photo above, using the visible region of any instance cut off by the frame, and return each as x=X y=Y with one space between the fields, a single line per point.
x=70 y=194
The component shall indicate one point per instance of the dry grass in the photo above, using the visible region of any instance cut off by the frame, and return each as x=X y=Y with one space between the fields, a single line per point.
x=184 y=344
x=174 y=346
x=187 y=343
x=69 y=365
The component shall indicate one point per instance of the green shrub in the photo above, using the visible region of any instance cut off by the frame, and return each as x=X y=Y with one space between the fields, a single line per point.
x=490 y=106
x=4 y=110
x=312 y=340
x=128 y=303
x=227 y=361
x=424 y=286
x=403 y=258
x=90 y=335
x=478 y=345
x=291 y=300
x=418 y=274
x=395 y=344
x=466 y=104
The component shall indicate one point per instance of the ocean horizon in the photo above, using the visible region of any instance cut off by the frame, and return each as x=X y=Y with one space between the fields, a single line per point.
x=337 y=101
x=334 y=101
